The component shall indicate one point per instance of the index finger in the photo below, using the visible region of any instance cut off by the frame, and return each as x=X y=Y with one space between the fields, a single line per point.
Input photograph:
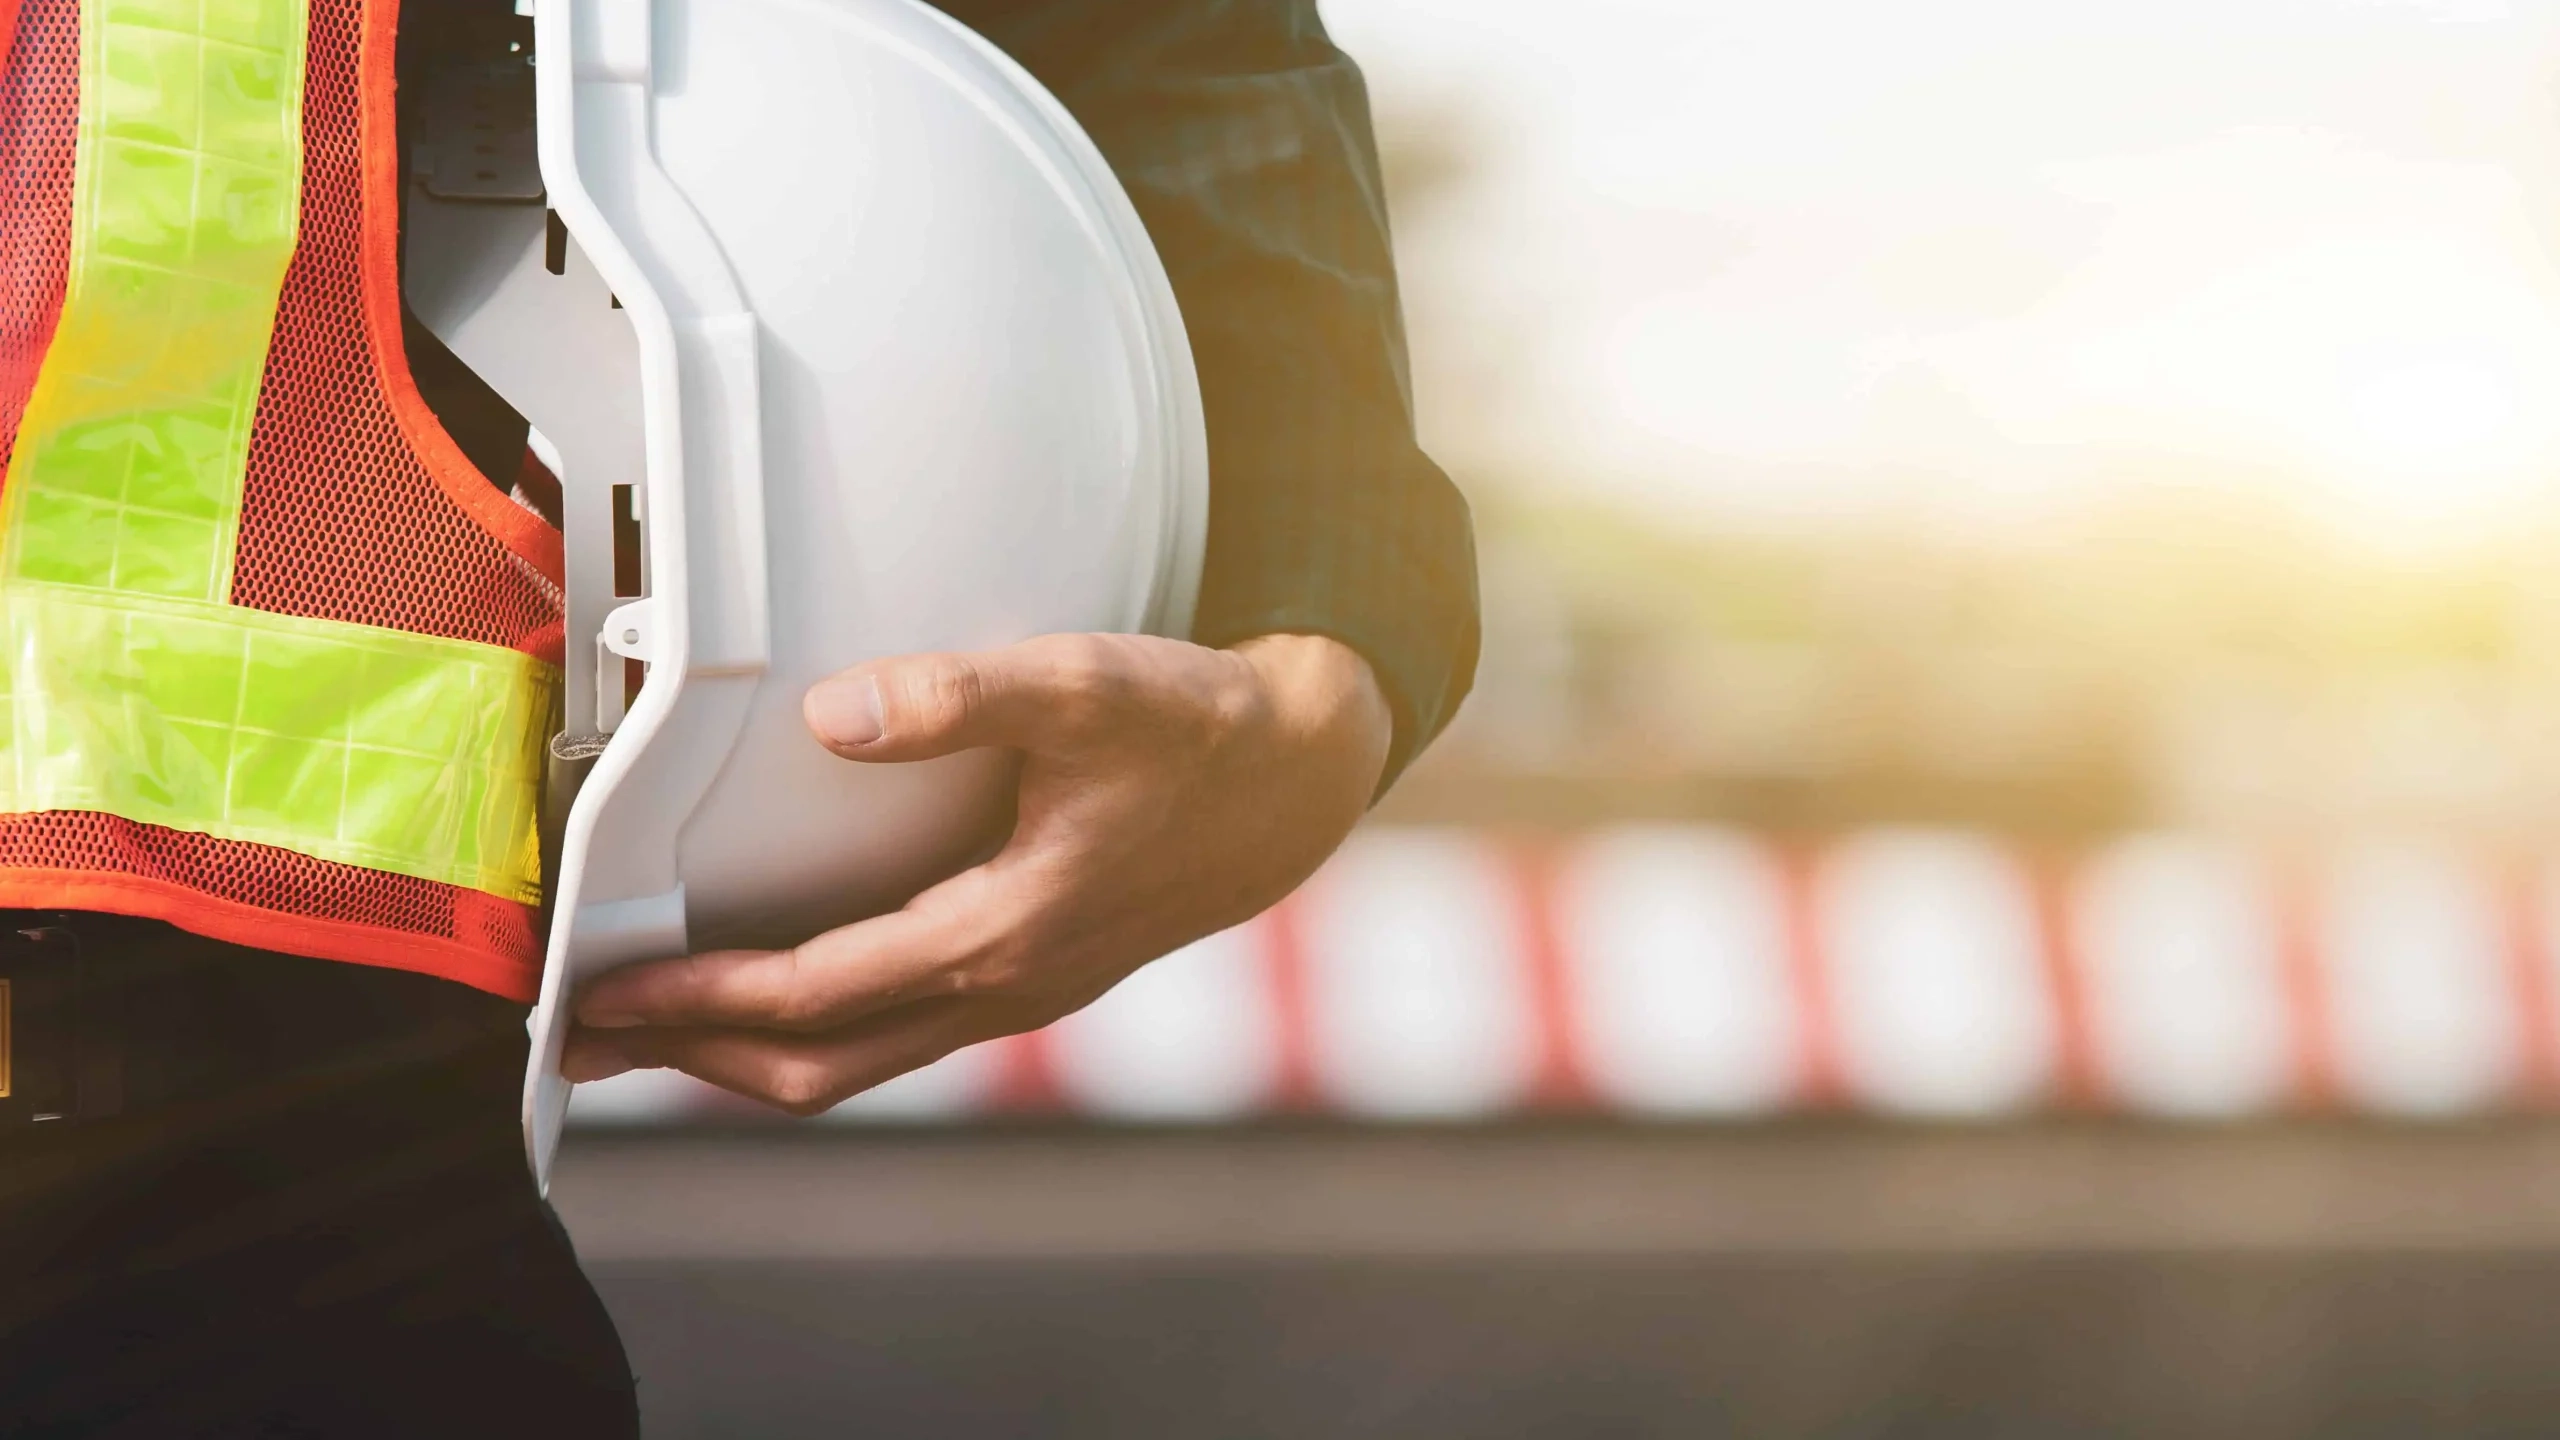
x=829 y=981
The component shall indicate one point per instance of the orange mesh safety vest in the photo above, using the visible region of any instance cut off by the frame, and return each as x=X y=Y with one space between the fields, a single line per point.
x=279 y=663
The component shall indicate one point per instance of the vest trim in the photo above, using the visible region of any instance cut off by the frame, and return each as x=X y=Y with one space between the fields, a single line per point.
x=233 y=922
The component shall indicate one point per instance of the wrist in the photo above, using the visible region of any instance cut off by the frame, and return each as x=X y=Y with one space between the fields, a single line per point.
x=1326 y=690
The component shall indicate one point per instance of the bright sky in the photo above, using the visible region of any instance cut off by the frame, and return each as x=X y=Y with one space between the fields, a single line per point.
x=1801 y=255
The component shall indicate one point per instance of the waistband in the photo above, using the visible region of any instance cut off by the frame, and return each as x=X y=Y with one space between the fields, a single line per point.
x=108 y=1016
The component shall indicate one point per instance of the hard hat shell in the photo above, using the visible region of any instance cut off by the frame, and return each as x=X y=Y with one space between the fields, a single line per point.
x=885 y=356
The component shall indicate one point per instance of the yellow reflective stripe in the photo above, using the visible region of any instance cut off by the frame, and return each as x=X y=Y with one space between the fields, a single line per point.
x=132 y=686
x=185 y=207
x=399 y=752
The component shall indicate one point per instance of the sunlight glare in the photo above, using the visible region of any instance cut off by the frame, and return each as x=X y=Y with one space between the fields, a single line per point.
x=2433 y=413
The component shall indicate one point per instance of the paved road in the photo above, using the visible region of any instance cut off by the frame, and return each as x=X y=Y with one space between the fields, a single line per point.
x=1824 y=1282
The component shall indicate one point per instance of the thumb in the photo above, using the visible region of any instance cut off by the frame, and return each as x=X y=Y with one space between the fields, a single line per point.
x=915 y=707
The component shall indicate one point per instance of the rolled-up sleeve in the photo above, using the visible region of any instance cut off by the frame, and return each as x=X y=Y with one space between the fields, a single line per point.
x=1244 y=136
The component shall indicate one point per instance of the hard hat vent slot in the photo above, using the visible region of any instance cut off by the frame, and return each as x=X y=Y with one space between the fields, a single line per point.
x=629 y=576
x=626 y=542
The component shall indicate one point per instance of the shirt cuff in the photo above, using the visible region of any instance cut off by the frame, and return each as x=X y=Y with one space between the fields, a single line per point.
x=1392 y=574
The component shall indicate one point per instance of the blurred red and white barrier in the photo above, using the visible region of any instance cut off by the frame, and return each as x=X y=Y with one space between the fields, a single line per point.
x=1691 y=972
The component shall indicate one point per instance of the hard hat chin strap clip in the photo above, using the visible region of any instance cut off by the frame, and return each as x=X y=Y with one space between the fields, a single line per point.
x=631 y=633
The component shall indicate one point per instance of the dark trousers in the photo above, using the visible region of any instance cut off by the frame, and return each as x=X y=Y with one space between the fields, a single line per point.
x=286 y=1198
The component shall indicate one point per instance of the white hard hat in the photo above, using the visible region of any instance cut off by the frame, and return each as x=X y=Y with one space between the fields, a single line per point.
x=887 y=364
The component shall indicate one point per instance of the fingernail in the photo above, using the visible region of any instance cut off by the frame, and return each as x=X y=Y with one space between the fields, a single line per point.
x=847 y=712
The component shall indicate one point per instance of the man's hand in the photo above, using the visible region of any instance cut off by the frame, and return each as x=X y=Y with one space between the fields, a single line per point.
x=1168 y=791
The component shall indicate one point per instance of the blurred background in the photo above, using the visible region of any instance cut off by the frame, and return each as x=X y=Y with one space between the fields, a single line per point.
x=1999 y=878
